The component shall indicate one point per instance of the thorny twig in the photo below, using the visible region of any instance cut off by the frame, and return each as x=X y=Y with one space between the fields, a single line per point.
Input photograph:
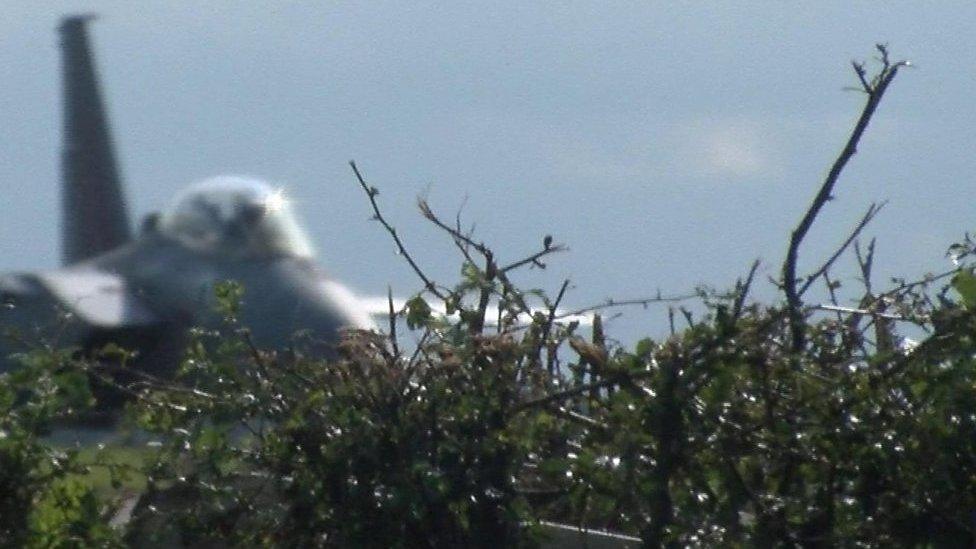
x=613 y=303
x=371 y=193
x=492 y=270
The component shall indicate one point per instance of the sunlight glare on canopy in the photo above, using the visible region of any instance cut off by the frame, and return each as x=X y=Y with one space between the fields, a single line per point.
x=237 y=216
x=276 y=201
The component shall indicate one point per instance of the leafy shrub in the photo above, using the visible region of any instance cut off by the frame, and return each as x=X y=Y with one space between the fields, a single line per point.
x=43 y=502
x=790 y=423
x=366 y=449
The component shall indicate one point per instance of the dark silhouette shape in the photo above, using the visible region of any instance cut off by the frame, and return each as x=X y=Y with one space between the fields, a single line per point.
x=94 y=217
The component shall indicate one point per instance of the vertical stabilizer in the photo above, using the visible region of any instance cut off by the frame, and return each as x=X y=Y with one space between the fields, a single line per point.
x=94 y=217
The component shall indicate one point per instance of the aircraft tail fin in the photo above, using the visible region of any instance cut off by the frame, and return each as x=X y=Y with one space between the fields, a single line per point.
x=93 y=210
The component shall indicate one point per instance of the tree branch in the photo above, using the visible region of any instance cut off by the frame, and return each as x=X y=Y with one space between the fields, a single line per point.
x=392 y=316
x=575 y=390
x=875 y=90
x=868 y=216
x=644 y=302
x=742 y=290
x=371 y=192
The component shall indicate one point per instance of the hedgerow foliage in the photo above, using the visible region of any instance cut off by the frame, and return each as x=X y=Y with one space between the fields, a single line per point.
x=43 y=502
x=788 y=423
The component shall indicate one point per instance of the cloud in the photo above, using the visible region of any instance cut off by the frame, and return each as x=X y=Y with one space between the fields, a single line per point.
x=734 y=148
x=720 y=150
x=709 y=150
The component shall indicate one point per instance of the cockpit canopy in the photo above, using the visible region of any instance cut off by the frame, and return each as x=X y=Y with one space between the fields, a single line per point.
x=237 y=216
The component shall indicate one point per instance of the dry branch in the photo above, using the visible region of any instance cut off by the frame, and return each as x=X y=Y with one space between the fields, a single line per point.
x=875 y=90
x=371 y=193
x=873 y=210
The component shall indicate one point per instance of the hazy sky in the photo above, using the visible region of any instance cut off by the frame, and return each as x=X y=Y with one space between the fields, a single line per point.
x=667 y=144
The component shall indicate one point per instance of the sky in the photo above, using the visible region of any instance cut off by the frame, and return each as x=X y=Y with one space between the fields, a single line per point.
x=668 y=145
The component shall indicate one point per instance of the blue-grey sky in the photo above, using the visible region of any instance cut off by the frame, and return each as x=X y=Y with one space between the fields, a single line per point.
x=666 y=144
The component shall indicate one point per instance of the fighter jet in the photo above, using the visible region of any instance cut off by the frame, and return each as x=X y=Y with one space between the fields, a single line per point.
x=145 y=289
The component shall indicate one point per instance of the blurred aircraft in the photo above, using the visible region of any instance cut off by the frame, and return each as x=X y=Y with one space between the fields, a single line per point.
x=144 y=291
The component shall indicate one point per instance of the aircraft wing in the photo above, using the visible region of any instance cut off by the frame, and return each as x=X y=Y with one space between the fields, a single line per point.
x=65 y=308
x=97 y=298
x=353 y=307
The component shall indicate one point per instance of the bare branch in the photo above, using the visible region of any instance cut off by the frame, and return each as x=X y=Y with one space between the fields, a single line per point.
x=393 y=317
x=371 y=192
x=924 y=281
x=534 y=258
x=875 y=90
x=547 y=329
x=492 y=272
x=832 y=292
x=866 y=264
x=580 y=389
x=643 y=302
x=868 y=216
x=856 y=311
x=859 y=70
x=429 y=214
x=742 y=290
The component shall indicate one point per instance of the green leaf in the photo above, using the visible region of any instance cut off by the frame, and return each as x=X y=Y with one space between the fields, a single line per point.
x=229 y=294
x=418 y=312
x=471 y=274
x=965 y=284
x=645 y=347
